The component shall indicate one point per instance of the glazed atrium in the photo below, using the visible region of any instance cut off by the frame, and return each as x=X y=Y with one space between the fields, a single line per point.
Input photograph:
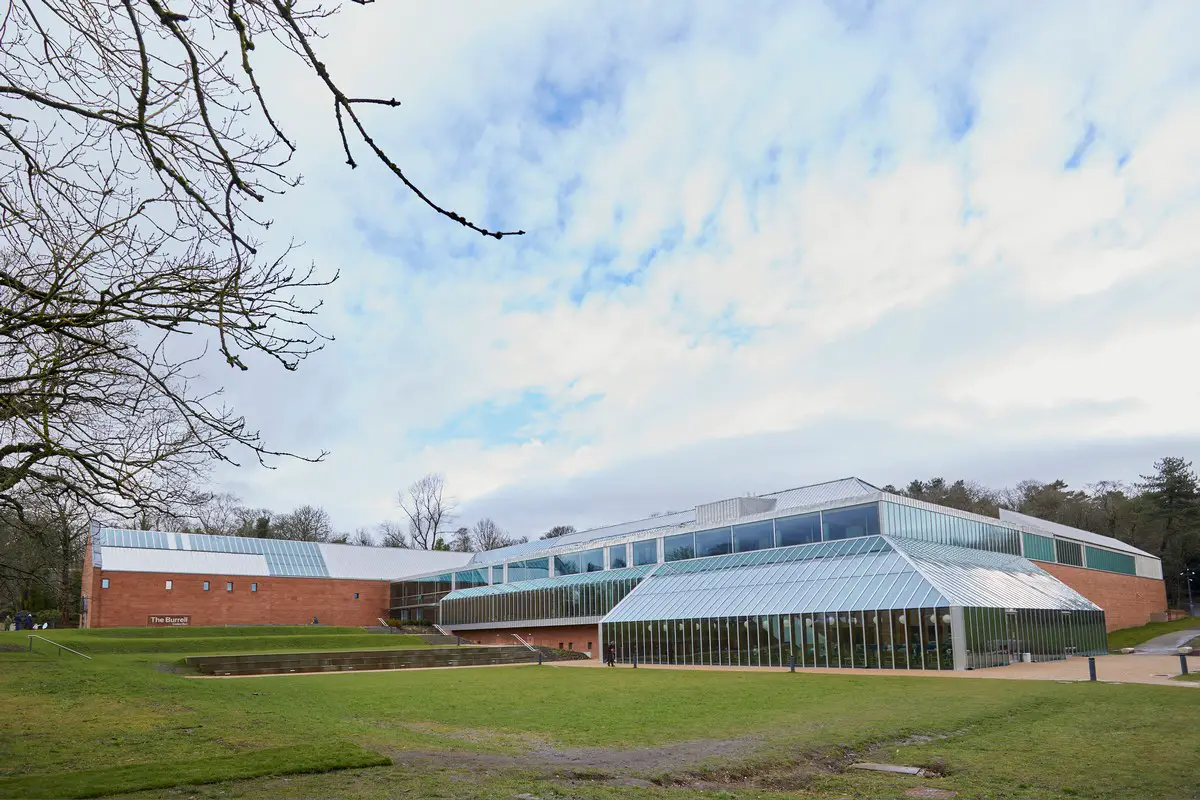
x=840 y=574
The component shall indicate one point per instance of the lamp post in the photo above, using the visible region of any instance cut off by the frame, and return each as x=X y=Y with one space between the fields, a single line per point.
x=1187 y=575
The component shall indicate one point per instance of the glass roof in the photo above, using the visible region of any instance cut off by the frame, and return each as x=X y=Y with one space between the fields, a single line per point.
x=991 y=580
x=579 y=579
x=284 y=557
x=873 y=572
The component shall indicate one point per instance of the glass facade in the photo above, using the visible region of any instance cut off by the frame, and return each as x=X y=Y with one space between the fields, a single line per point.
x=579 y=596
x=645 y=552
x=998 y=636
x=908 y=638
x=498 y=573
x=417 y=599
x=864 y=602
x=1109 y=561
x=618 y=556
x=933 y=526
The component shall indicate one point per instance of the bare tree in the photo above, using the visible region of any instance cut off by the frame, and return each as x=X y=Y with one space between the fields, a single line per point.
x=489 y=536
x=391 y=534
x=428 y=510
x=362 y=537
x=461 y=541
x=220 y=513
x=136 y=140
x=558 y=530
x=305 y=524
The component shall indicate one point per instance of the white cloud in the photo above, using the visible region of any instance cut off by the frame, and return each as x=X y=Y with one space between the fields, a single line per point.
x=761 y=206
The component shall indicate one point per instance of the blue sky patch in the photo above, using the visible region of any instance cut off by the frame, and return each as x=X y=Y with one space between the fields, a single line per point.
x=1081 y=148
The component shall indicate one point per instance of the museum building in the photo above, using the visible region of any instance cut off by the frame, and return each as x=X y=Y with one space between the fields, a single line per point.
x=834 y=574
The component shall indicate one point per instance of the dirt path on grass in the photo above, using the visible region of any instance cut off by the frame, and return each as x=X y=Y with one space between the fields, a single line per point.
x=543 y=757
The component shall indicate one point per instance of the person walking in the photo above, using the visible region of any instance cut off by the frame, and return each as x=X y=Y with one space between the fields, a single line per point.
x=612 y=655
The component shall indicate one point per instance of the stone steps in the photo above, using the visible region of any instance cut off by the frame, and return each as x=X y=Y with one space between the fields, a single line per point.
x=343 y=661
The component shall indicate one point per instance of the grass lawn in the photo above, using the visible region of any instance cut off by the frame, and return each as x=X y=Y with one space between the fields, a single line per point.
x=126 y=722
x=1132 y=637
x=189 y=640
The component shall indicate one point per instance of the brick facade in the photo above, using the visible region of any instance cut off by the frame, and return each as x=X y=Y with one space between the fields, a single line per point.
x=1127 y=600
x=580 y=638
x=132 y=597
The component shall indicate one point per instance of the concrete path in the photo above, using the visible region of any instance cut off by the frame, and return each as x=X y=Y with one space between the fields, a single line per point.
x=1167 y=643
x=1153 y=669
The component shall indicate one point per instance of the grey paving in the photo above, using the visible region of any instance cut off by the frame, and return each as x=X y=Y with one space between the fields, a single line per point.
x=1167 y=643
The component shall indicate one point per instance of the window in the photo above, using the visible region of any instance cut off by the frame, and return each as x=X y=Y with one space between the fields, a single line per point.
x=1068 y=552
x=713 y=543
x=593 y=560
x=1038 y=548
x=804 y=529
x=356 y=595
x=498 y=574
x=104 y=583
x=753 y=536
x=570 y=645
x=528 y=570
x=1108 y=560
x=229 y=587
x=560 y=647
x=567 y=565
x=254 y=587
x=470 y=578
x=589 y=645
x=168 y=586
x=645 y=552
x=679 y=547
x=847 y=523
x=617 y=556
x=206 y=586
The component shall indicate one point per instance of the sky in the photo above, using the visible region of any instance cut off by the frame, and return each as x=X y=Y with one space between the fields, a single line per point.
x=767 y=244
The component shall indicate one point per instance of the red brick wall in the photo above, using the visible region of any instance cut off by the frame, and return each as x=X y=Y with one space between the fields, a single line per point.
x=132 y=597
x=1127 y=600
x=571 y=637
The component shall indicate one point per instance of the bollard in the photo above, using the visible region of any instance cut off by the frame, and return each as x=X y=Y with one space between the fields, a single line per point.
x=1183 y=664
x=792 y=665
x=1091 y=668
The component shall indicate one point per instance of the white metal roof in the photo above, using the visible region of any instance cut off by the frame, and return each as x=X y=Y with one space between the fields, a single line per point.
x=137 y=559
x=386 y=563
x=162 y=551
x=1067 y=532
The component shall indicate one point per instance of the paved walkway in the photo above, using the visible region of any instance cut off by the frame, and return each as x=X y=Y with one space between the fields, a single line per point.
x=1152 y=669
x=1167 y=643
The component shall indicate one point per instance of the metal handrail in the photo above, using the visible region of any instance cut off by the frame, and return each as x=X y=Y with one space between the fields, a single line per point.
x=56 y=644
x=522 y=641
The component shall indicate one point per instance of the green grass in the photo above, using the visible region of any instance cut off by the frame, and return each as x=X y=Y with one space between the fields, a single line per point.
x=1132 y=637
x=164 y=775
x=214 y=640
x=124 y=722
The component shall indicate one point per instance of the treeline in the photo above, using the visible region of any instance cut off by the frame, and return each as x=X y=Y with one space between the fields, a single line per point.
x=1159 y=514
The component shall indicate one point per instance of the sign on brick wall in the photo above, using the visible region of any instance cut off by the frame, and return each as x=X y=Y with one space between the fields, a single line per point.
x=157 y=619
